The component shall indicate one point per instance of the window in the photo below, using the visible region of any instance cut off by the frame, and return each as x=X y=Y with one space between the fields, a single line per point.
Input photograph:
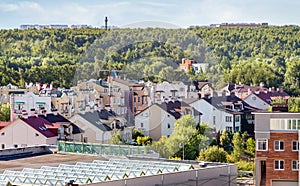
x=139 y=99
x=3 y=133
x=278 y=164
x=237 y=118
x=229 y=129
x=142 y=125
x=134 y=99
x=284 y=124
x=278 y=145
x=169 y=126
x=295 y=165
x=214 y=120
x=295 y=145
x=262 y=145
x=228 y=118
x=16 y=146
x=36 y=134
x=3 y=146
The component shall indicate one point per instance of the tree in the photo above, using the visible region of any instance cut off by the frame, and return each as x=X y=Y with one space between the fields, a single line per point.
x=250 y=147
x=144 y=140
x=225 y=141
x=292 y=77
x=238 y=147
x=294 y=104
x=213 y=154
x=137 y=133
x=184 y=129
x=116 y=139
x=4 y=112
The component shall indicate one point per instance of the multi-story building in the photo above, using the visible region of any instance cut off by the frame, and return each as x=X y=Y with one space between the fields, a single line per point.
x=225 y=113
x=158 y=119
x=29 y=103
x=277 y=148
x=187 y=64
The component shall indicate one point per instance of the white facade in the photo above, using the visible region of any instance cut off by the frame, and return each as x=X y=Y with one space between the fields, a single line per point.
x=216 y=119
x=256 y=102
x=155 y=122
x=20 y=134
x=198 y=66
x=167 y=90
x=30 y=101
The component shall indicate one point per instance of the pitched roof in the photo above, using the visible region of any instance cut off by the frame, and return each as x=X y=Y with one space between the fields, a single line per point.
x=268 y=95
x=94 y=118
x=190 y=100
x=171 y=108
x=222 y=103
x=52 y=118
x=4 y=124
x=39 y=124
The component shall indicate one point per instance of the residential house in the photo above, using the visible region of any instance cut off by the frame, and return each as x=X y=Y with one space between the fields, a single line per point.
x=29 y=103
x=28 y=131
x=267 y=98
x=100 y=94
x=65 y=129
x=6 y=91
x=4 y=124
x=277 y=148
x=225 y=113
x=158 y=119
x=187 y=64
x=100 y=125
x=258 y=96
x=165 y=91
x=201 y=89
x=136 y=97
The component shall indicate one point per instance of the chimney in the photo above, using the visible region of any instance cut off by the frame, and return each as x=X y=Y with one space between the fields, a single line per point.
x=54 y=112
x=12 y=107
x=32 y=112
x=25 y=116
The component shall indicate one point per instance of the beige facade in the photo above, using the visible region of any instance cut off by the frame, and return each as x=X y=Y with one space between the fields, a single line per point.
x=20 y=134
x=155 y=122
x=91 y=134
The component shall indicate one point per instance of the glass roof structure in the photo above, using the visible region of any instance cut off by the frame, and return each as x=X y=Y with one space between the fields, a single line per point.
x=85 y=173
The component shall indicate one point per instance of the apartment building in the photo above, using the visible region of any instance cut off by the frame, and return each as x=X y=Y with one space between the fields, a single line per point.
x=277 y=148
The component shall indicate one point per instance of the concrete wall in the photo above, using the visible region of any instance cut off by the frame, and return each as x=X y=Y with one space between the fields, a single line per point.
x=210 y=176
x=21 y=152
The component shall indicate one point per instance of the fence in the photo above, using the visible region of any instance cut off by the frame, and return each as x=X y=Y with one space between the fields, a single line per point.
x=101 y=149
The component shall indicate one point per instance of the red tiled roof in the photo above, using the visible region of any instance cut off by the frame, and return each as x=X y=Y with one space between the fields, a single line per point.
x=4 y=124
x=40 y=124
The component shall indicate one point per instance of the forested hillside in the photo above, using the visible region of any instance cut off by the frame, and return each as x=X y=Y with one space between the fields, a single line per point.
x=242 y=54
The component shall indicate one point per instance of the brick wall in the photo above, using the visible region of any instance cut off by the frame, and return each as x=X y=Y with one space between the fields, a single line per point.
x=287 y=155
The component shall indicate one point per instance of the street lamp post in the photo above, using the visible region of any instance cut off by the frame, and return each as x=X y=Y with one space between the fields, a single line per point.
x=181 y=145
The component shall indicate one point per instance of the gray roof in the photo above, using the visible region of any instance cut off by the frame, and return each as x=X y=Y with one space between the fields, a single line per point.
x=94 y=118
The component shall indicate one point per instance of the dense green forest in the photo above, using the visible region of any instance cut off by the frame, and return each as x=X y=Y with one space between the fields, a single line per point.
x=63 y=56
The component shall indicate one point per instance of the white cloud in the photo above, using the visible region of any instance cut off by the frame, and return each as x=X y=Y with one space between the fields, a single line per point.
x=20 y=6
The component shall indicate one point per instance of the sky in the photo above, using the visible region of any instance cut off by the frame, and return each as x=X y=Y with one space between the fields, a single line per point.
x=14 y=13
